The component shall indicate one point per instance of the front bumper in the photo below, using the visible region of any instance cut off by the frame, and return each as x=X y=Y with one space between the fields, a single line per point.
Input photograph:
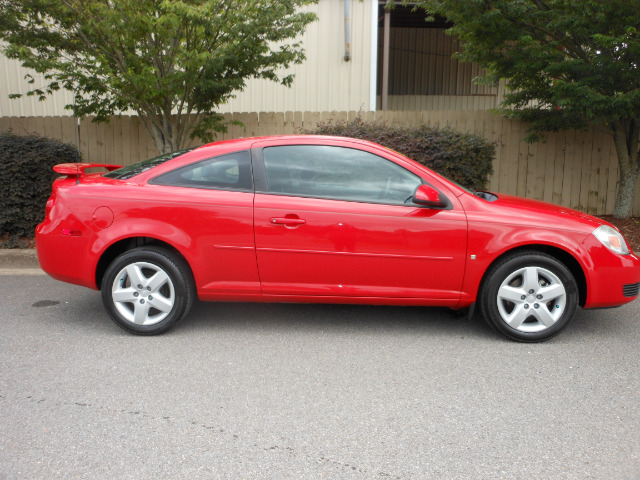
x=611 y=278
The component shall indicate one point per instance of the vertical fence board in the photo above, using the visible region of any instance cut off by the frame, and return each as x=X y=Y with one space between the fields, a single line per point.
x=69 y=130
x=227 y=118
x=577 y=162
x=118 y=144
x=597 y=162
x=52 y=128
x=558 y=168
x=235 y=131
x=546 y=176
x=83 y=138
x=109 y=138
x=636 y=204
x=252 y=124
x=38 y=126
x=311 y=120
x=530 y=152
x=503 y=153
x=265 y=124
x=612 y=179
x=96 y=142
x=569 y=172
x=249 y=124
x=298 y=122
x=511 y=156
x=584 y=146
x=5 y=124
x=288 y=123
x=133 y=143
x=492 y=132
x=129 y=148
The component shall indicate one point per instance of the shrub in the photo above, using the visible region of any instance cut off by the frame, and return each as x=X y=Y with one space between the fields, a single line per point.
x=26 y=176
x=463 y=157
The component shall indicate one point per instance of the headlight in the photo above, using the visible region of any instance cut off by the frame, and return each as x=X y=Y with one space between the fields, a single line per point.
x=612 y=239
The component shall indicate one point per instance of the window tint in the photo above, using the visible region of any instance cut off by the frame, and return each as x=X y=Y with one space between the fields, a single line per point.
x=337 y=173
x=137 y=168
x=226 y=172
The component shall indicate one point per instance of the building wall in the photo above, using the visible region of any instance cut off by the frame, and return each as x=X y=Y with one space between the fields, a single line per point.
x=12 y=80
x=421 y=63
x=439 y=102
x=324 y=82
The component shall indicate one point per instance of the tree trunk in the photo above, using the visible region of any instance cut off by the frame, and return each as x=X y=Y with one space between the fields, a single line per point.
x=625 y=137
x=162 y=142
x=162 y=132
x=625 y=196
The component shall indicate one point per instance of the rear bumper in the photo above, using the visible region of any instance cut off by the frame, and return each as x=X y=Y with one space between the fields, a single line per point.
x=611 y=279
x=62 y=245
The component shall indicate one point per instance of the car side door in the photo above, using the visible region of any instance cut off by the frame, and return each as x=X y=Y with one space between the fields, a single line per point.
x=211 y=202
x=336 y=220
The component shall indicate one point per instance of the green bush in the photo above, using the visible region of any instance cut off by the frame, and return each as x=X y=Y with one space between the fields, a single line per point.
x=464 y=158
x=26 y=176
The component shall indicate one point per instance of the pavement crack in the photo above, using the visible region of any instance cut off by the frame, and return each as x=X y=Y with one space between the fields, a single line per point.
x=217 y=430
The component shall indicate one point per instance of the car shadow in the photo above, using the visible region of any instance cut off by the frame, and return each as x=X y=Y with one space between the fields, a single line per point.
x=278 y=317
x=83 y=311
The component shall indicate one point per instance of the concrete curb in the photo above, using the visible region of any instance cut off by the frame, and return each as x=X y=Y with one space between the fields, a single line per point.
x=19 y=261
x=24 y=272
x=18 y=252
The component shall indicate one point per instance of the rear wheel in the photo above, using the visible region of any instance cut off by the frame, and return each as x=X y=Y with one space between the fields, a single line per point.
x=147 y=290
x=529 y=296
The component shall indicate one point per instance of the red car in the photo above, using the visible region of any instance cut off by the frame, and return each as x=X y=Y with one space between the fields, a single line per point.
x=323 y=220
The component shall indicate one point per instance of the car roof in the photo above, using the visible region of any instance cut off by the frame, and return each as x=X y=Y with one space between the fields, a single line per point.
x=248 y=141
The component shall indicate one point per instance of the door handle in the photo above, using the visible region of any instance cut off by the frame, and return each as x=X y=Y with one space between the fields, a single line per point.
x=287 y=222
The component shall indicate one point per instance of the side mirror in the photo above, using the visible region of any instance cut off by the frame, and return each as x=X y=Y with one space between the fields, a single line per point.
x=429 y=197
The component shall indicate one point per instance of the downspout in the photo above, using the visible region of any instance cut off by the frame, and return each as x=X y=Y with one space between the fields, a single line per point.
x=373 y=52
x=347 y=31
x=385 y=59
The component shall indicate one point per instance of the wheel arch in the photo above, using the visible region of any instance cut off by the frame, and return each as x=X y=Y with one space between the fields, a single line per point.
x=125 y=244
x=559 y=254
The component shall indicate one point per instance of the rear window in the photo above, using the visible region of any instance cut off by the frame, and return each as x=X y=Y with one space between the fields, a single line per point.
x=137 y=168
x=226 y=172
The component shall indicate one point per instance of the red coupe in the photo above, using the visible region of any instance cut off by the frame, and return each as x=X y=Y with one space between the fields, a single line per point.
x=324 y=220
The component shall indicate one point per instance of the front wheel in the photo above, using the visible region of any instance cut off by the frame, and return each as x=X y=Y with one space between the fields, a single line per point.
x=147 y=290
x=529 y=296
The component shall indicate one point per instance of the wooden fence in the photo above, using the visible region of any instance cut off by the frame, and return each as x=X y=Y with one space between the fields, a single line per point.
x=575 y=169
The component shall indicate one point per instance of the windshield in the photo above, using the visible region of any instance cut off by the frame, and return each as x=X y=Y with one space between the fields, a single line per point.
x=137 y=168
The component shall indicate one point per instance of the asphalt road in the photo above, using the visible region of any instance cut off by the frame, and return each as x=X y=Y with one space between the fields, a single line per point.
x=255 y=391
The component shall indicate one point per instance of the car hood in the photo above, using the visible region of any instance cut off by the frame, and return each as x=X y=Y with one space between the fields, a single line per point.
x=540 y=213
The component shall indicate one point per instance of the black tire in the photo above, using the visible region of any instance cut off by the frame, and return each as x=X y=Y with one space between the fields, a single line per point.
x=161 y=296
x=544 y=293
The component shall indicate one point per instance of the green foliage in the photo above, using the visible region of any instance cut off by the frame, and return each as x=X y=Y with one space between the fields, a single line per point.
x=462 y=157
x=165 y=59
x=569 y=64
x=26 y=176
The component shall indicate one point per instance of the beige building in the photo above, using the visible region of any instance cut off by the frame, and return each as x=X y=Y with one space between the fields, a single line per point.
x=421 y=74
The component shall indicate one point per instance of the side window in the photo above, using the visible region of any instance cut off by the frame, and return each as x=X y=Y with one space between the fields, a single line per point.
x=226 y=172
x=338 y=173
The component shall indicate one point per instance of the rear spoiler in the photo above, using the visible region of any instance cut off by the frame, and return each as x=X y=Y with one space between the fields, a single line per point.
x=77 y=170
